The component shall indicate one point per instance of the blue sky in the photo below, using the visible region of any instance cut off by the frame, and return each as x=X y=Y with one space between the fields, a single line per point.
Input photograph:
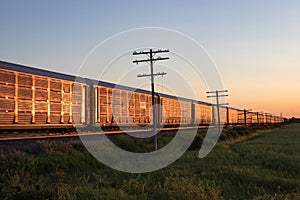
x=255 y=44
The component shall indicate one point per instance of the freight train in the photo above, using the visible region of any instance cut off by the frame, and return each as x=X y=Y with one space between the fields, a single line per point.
x=32 y=98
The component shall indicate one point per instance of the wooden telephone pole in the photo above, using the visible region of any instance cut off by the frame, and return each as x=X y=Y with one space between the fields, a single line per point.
x=151 y=59
x=217 y=96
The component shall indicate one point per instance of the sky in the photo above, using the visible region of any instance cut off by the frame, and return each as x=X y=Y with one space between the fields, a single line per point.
x=254 y=44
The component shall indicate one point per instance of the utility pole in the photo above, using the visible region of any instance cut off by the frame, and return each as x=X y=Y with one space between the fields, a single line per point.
x=217 y=96
x=245 y=116
x=151 y=59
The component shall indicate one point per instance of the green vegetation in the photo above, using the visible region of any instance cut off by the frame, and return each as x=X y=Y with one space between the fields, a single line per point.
x=246 y=164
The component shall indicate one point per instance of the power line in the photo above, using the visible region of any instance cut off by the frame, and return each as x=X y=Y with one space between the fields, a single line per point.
x=151 y=53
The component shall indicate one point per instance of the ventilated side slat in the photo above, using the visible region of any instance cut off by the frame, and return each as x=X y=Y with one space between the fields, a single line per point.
x=55 y=118
x=103 y=99
x=103 y=119
x=117 y=109
x=137 y=111
x=66 y=87
x=25 y=106
x=55 y=96
x=41 y=82
x=77 y=88
x=24 y=117
x=76 y=99
x=25 y=80
x=41 y=106
x=55 y=85
x=41 y=117
x=7 y=104
x=66 y=97
x=7 y=90
x=76 y=119
x=76 y=108
x=7 y=77
x=136 y=119
x=7 y=117
x=55 y=107
x=66 y=118
x=124 y=111
x=103 y=91
x=116 y=101
x=24 y=93
x=66 y=108
x=103 y=109
x=41 y=94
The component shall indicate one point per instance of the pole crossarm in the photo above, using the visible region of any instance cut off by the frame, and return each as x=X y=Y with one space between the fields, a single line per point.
x=217 y=91
x=157 y=74
x=218 y=96
x=148 y=52
x=149 y=60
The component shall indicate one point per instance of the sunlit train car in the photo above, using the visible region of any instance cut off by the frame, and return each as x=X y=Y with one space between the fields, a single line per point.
x=222 y=113
x=271 y=119
x=116 y=106
x=279 y=119
x=261 y=118
x=38 y=99
x=186 y=112
x=35 y=99
x=171 y=111
x=175 y=111
x=267 y=118
x=255 y=118
x=232 y=116
x=249 y=117
x=203 y=113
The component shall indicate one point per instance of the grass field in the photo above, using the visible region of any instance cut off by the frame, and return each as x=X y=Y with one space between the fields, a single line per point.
x=255 y=166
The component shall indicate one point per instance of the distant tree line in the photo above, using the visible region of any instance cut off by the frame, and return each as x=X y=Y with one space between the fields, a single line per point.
x=293 y=120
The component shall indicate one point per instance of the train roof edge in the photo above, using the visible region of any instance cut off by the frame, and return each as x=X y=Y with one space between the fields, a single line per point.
x=42 y=72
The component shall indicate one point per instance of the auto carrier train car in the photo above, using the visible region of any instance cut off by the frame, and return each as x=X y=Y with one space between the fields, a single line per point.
x=32 y=98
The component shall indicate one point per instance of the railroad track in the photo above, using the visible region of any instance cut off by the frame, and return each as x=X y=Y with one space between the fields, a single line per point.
x=37 y=136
